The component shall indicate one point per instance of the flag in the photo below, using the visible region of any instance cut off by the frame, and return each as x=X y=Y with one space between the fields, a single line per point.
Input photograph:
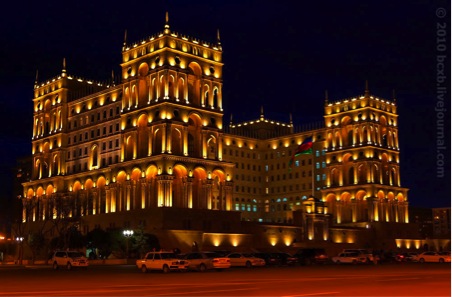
x=305 y=148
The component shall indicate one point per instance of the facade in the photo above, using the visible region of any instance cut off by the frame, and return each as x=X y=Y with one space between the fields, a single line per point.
x=153 y=150
x=441 y=222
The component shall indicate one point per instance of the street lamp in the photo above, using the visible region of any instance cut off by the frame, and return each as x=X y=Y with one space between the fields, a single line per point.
x=20 y=240
x=127 y=234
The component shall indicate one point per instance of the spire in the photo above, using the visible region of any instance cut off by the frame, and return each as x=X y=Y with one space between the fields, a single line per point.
x=326 y=96
x=218 y=39
x=36 y=79
x=113 y=77
x=167 y=28
x=262 y=112
x=63 y=72
x=125 y=40
x=290 y=118
x=394 y=95
x=366 y=91
x=230 y=121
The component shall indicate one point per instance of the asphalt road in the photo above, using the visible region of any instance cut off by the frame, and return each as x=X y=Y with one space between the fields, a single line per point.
x=398 y=279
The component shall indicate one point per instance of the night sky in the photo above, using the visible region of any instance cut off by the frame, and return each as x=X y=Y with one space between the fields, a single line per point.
x=281 y=55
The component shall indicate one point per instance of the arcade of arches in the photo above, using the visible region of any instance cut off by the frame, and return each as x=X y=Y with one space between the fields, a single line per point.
x=359 y=205
x=184 y=188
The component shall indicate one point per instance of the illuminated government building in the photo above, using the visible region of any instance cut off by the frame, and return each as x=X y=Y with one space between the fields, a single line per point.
x=153 y=150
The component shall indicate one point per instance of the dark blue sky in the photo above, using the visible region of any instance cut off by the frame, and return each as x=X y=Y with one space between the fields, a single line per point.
x=281 y=55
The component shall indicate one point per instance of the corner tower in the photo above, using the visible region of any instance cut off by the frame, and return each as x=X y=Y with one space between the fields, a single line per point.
x=362 y=156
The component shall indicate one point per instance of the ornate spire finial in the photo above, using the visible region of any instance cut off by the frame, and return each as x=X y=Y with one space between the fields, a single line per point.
x=64 y=67
x=326 y=96
x=230 y=121
x=167 y=30
x=290 y=118
x=113 y=77
x=366 y=91
x=262 y=112
x=36 y=79
x=394 y=95
x=124 y=44
x=218 y=39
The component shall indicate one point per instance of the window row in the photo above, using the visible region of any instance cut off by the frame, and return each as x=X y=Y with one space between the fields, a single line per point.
x=84 y=152
x=93 y=134
x=77 y=168
x=92 y=119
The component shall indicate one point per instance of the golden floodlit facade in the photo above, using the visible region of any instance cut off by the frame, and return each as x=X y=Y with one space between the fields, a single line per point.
x=155 y=145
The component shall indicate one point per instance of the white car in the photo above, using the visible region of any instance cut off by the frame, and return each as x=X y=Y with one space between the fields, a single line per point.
x=245 y=260
x=202 y=261
x=432 y=257
x=365 y=252
x=350 y=258
x=163 y=261
x=69 y=259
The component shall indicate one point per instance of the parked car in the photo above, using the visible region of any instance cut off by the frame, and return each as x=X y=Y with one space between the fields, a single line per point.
x=369 y=255
x=405 y=257
x=69 y=260
x=202 y=261
x=245 y=260
x=163 y=261
x=270 y=258
x=308 y=256
x=432 y=257
x=285 y=258
x=349 y=258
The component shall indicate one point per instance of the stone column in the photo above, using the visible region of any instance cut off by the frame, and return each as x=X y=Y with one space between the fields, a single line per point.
x=96 y=201
x=208 y=191
x=128 y=188
x=189 y=192
x=168 y=138
x=338 y=212
x=143 y=193
x=107 y=199
x=185 y=142
x=164 y=183
x=228 y=194
x=164 y=147
x=220 y=147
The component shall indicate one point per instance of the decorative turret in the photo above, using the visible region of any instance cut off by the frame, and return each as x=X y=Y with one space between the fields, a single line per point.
x=167 y=27
x=124 y=44
x=63 y=72
x=36 y=79
x=218 y=39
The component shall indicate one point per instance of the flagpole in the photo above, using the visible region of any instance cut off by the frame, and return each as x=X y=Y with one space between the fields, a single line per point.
x=313 y=173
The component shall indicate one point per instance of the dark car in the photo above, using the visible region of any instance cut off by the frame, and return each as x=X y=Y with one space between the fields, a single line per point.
x=308 y=256
x=270 y=258
x=405 y=257
x=285 y=258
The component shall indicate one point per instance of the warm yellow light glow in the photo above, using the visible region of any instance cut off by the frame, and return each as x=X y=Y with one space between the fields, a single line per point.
x=273 y=241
